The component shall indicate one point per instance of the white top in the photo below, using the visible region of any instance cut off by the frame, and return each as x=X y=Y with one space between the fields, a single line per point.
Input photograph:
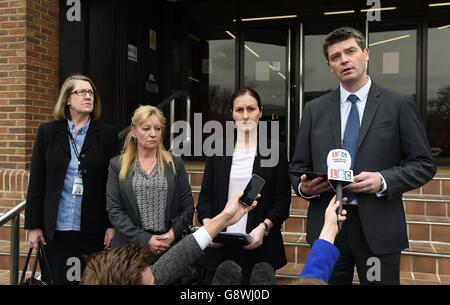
x=240 y=175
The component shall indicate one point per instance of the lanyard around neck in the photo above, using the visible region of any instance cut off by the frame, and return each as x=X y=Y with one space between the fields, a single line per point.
x=75 y=149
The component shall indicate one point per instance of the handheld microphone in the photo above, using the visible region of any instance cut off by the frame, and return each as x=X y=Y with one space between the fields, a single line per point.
x=339 y=162
x=228 y=273
x=262 y=274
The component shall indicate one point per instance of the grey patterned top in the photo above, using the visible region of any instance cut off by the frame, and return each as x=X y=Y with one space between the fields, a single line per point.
x=151 y=196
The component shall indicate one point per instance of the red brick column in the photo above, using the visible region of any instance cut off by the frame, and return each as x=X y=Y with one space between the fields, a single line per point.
x=28 y=86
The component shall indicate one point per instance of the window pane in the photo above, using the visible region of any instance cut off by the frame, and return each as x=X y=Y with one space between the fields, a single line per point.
x=265 y=70
x=318 y=78
x=438 y=96
x=392 y=61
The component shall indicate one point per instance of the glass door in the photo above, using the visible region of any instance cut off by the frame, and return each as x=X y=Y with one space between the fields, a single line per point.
x=266 y=68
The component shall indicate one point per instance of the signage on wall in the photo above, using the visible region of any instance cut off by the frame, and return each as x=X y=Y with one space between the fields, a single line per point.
x=151 y=85
x=132 y=53
x=276 y=66
x=152 y=39
x=391 y=63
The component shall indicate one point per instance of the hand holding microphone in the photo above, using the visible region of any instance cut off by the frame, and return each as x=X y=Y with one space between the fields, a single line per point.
x=339 y=163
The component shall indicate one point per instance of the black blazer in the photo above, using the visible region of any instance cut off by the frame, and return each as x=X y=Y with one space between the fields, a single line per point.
x=49 y=163
x=392 y=141
x=123 y=210
x=274 y=203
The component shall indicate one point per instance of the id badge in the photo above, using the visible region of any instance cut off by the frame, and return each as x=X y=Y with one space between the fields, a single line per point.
x=77 y=188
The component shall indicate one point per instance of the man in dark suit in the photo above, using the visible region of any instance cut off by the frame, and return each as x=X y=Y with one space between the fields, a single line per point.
x=390 y=153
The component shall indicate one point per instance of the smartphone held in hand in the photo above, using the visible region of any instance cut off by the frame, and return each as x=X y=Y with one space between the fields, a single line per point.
x=252 y=190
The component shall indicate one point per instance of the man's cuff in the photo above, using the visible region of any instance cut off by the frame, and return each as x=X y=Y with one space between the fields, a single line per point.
x=383 y=189
x=303 y=195
x=202 y=237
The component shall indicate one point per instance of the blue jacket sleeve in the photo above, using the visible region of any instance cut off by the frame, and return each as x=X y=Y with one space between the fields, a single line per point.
x=320 y=262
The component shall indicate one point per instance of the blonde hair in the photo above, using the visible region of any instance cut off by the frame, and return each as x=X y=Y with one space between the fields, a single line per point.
x=61 y=110
x=129 y=152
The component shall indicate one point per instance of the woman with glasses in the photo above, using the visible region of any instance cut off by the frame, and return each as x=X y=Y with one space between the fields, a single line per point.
x=66 y=199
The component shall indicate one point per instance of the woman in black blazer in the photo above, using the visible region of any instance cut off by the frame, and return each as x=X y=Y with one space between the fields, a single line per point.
x=66 y=199
x=149 y=199
x=226 y=175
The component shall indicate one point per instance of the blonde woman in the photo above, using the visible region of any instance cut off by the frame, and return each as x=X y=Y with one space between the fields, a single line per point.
x=149 y=198
x=66 y=199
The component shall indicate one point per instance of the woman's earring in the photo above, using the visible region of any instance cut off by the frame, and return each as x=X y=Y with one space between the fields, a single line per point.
x=134 y=140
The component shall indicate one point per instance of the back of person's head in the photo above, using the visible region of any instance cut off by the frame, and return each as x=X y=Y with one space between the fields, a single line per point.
x=308 y=281
x=341 y=34
x=118 y=266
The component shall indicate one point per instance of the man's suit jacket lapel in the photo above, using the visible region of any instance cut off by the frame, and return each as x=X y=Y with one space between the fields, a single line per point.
x=372 y=104
x=334 y=111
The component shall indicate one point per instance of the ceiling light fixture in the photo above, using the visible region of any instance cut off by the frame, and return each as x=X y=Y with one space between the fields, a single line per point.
x=339 y=12
x=193 y=79
x=231 y=34
x=388 y=40
x=439 y=4
x=269 y=18
x=391 y=8
x=254 y=53
x=281 y=75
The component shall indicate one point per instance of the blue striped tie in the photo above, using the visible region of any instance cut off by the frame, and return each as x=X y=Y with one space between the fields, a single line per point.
x=351 y=137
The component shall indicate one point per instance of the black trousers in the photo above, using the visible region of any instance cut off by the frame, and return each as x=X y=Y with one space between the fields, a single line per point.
x=63 y=251
x=372 y=269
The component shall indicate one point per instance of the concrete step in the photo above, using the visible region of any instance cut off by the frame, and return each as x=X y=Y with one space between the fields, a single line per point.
x=420 y=227
x=421 y=257
x=290 y=272
x=5 y=254
x=4 y=276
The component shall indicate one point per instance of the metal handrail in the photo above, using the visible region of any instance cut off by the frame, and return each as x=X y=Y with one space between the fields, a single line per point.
x=13 y=215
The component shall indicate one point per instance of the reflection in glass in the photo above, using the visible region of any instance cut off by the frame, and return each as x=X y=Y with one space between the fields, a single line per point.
x=220 y=66
x=211 y=77
x=265 y=70
x=392 y=61
x=438 y=96
x=317 y=76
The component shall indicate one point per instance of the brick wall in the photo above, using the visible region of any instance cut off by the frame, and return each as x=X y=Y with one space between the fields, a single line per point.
x=28 y=86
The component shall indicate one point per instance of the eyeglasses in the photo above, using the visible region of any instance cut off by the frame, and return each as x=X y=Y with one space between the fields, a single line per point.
x=83 y=92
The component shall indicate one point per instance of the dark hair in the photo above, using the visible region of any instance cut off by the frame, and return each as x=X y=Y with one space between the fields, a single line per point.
x=341 y=34
x=244 y=91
